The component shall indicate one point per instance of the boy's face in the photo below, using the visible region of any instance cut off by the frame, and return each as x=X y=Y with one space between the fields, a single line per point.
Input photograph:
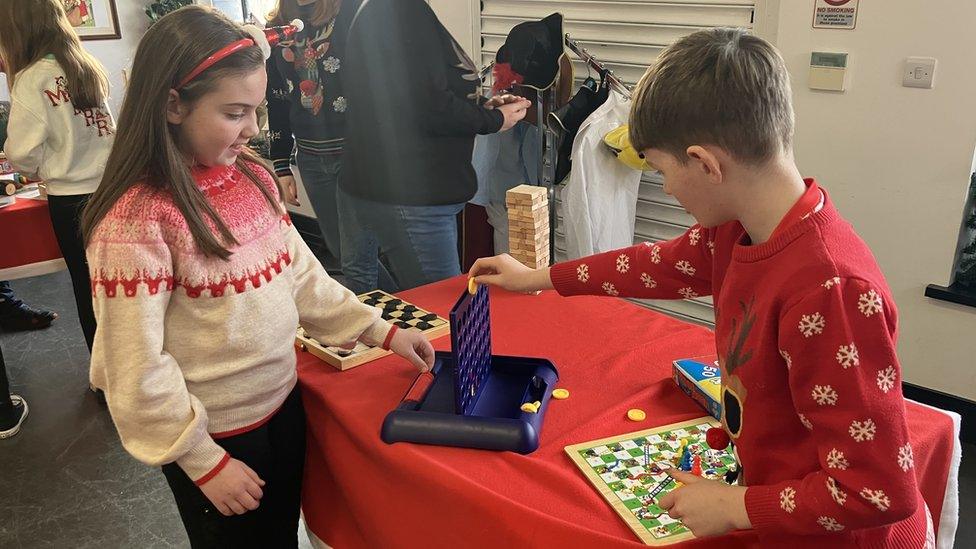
x=696 y=183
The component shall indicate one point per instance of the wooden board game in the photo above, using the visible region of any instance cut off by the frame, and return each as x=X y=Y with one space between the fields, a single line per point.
x=528 y=225
x=625 y=470
x=402 y=313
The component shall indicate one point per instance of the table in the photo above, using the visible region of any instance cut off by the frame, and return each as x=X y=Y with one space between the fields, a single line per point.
x=611 y=354
x=29 y=246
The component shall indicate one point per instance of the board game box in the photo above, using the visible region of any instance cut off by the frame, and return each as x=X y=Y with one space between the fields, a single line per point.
x=402 y=313
x=472 y=398
x=700 y=379
x=628 y=470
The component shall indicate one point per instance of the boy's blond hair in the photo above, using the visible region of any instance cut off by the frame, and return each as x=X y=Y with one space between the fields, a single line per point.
x=719 y=87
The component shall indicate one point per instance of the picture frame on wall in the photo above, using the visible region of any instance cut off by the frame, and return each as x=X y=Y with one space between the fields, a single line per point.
x=236 y=10
x=94 y=19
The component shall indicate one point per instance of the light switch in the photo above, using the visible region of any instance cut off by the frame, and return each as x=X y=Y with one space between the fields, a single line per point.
x=919 y=72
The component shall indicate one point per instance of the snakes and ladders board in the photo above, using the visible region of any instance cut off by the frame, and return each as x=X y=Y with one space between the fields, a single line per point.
x=628 y=470
x=399 y=312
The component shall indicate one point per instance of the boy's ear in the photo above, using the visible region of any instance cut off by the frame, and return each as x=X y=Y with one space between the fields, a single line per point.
x=706 y=161
x=176 y=110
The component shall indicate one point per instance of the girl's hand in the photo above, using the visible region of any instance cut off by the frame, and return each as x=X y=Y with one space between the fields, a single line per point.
x=706 y=507
x=235 y=490
x=508 y=273
x=415 y=347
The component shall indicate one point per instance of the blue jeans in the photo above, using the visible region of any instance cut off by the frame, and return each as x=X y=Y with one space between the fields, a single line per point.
x=320 y=176
x=419 y=243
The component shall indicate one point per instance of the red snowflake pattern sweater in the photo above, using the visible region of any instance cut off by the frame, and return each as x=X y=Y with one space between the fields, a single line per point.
x=805 y=334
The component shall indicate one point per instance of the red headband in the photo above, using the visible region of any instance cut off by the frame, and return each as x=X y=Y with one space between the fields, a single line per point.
x=264 y=38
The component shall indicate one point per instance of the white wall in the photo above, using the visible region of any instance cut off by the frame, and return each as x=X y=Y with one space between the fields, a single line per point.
x=117 y=55
x=897 y=160
x=462 y=19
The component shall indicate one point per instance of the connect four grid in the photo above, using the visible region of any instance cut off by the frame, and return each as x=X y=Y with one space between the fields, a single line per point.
x=471 y=345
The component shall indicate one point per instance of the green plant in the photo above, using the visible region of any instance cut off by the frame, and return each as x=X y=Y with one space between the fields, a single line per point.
x=966 y=271
x=160 y=8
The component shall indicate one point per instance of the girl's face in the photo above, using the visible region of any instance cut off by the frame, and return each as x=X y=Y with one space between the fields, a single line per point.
x=215 y=128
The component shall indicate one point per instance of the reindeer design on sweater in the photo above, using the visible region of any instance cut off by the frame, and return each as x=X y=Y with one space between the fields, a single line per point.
x=733 y=391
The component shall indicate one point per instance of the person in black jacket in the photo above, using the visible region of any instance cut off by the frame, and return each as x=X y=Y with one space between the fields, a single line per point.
x=306 y=114
x=414 y=109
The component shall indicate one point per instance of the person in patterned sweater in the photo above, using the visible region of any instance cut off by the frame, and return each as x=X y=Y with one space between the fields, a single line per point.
x=805 y=323
x=199 y=280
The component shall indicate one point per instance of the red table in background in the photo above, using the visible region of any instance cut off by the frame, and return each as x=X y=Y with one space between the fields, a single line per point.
x=29 y=246
x=611 y=355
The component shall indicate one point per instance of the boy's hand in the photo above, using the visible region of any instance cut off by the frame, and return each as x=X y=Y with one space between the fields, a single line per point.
x=235 y=490
x=415 y=347
x=506 y=272
x=706 y=507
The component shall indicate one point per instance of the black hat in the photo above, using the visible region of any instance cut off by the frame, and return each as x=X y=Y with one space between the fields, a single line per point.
x=530 y=55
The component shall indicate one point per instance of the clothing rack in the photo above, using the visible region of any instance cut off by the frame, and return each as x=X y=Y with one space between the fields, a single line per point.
x=545 y=104
x=615 y=83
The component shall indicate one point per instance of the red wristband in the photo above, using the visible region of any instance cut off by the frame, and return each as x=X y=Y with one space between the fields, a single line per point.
x=389 y=337
x=213 y=472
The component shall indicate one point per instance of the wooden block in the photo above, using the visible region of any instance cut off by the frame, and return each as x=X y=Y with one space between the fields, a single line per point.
x=533 y=264
x=531 y=233
x=527 y=190
x=526 y=201
x=528 y=220
x=528 y=225
x=525 y=211
x=524 y=257
x=529 y=246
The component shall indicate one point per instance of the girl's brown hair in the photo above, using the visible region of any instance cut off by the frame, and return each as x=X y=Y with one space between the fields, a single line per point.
x=287 y=10
x=146 y=146
x=31 y=29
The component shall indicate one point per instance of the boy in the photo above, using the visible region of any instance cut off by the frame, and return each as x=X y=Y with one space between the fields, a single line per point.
x=805 y=323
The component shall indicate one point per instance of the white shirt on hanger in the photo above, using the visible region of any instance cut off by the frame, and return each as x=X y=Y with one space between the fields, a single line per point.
x=599 y=200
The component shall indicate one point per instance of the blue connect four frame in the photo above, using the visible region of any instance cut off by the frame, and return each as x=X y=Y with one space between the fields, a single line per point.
x=471 y=344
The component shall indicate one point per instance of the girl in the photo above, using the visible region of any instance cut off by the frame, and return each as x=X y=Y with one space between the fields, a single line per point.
x=60 y=127
x=306 y=111
x=199 y=280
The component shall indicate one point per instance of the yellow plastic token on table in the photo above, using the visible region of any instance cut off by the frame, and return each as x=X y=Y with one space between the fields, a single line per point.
x=560 y=394
x=472 y=286
x=636 y=415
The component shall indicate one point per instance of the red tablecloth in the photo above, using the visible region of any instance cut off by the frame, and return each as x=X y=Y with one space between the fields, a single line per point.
x=29 y=246
x=611 y=355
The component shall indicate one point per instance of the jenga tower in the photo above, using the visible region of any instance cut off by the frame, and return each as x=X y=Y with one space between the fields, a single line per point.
x=528 y=225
